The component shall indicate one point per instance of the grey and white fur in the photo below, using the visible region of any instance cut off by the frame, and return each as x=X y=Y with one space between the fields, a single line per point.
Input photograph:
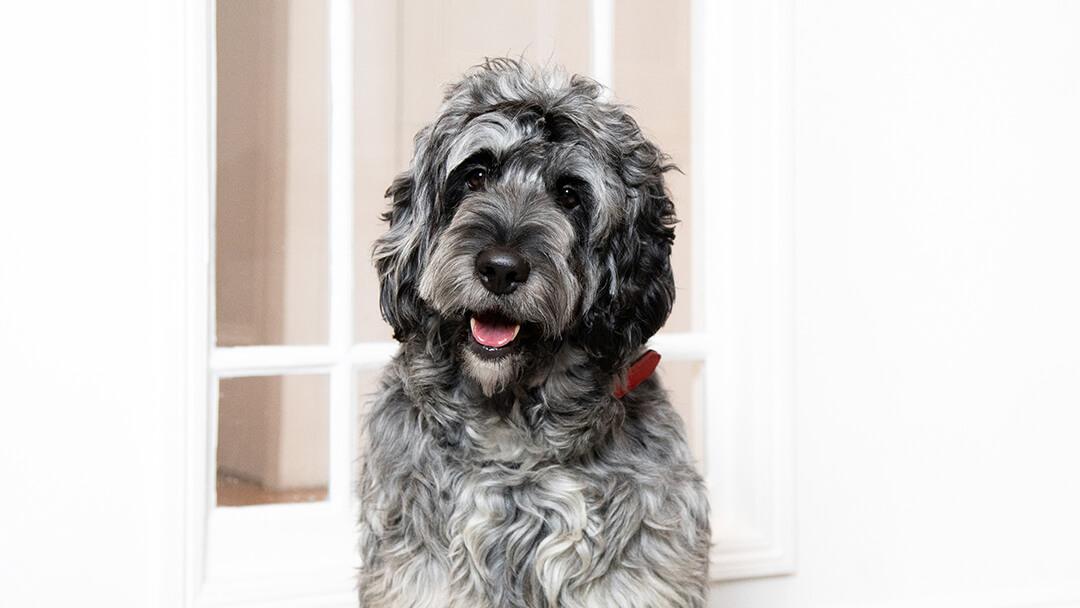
x=509 y=475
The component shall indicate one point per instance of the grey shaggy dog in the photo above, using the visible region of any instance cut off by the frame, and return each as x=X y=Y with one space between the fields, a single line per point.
x=525 y=265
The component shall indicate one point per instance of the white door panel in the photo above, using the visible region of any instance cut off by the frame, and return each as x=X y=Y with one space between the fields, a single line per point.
x=937 y=208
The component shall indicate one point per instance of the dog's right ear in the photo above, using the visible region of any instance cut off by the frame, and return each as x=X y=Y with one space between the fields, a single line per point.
x=397 y=255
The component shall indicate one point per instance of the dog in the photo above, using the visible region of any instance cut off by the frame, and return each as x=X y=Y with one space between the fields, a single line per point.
x=518 y=453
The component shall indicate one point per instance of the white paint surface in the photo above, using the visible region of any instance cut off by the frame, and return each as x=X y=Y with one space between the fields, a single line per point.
x=91 y=200
x=938 y=338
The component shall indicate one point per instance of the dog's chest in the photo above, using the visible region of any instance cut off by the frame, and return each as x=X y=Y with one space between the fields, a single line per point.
x=522 y=536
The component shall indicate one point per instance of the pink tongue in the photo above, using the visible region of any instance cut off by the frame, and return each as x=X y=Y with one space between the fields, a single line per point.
x=491 y=333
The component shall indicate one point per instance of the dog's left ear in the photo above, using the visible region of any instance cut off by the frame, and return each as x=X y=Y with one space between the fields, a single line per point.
x=397 y=256
x=637 y=289
x=402 y=251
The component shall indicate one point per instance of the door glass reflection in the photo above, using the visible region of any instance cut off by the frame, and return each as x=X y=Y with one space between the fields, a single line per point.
x=272 y=173
x=273 y=440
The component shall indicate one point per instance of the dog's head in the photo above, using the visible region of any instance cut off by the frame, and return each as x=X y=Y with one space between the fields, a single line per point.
x=534 y=217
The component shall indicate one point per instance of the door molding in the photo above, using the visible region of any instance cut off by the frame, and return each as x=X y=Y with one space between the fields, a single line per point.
x=743 y=188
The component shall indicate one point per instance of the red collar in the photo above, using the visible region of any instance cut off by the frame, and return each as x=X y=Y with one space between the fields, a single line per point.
x=638 y=372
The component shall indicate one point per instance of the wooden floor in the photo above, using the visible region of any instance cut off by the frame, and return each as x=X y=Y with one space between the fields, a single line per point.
x=236 y=492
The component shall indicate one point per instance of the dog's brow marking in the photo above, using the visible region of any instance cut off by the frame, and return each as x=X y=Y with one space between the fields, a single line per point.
x=493 y=132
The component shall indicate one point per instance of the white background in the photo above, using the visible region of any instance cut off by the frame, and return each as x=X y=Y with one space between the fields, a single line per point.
x=937 y=206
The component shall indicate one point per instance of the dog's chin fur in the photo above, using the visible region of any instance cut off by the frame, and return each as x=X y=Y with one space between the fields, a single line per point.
x=493 y=375
x=511 y=476
x=526 y=364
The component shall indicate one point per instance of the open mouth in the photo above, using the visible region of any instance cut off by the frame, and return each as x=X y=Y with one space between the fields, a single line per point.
x=493 y=334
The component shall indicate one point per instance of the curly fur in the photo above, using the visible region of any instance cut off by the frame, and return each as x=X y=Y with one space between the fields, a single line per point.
x=520 y=480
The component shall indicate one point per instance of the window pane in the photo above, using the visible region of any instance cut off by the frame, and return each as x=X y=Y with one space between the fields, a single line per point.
x=375 y=155
x=273 y=440
x=654 y=79
x=272 y=147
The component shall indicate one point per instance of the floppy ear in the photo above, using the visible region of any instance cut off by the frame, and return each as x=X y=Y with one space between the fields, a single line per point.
x=637 y=290
x=402 y=251
x=397 y=263
x=398 y=255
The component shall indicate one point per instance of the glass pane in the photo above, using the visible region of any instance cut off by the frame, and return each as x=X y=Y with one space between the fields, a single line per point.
x=375 y=156
x=273 y=440
x=684 y=383
x=654 y=79
x=272 y=147
x=403 y=89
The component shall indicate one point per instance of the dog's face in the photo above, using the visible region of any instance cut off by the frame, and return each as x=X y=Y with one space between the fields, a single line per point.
x=534 y=219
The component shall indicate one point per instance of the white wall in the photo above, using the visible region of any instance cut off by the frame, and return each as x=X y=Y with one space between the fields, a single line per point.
x=938 y=357
x=89 y=210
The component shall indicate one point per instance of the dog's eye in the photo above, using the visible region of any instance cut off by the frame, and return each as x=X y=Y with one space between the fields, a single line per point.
x=568 y=197
x=476 y=179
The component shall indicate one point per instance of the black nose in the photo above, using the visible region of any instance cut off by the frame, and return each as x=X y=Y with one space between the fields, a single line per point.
x=501 y=269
